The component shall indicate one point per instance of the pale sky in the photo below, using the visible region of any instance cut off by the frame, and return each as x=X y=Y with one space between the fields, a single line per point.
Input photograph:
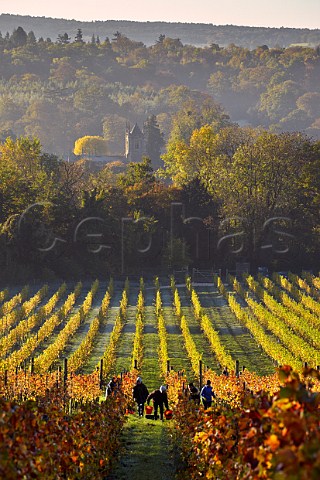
x=269 y=13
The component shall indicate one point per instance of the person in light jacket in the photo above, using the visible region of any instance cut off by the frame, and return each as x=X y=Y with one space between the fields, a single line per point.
x=112 y=387
x=159 y=398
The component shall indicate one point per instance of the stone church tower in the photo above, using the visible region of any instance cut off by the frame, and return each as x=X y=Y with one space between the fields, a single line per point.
x=135 y=147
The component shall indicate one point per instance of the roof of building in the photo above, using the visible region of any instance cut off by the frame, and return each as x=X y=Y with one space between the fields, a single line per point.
x=136 y=130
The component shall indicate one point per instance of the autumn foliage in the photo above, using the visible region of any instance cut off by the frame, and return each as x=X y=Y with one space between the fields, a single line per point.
x=62 y=433
x=258 y=435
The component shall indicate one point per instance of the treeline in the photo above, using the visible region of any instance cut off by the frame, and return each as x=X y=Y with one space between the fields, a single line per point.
x=225 y=195
x=197 y=34
x=61 y=90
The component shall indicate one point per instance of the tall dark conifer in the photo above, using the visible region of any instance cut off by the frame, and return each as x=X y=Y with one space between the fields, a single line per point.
x=154 y=141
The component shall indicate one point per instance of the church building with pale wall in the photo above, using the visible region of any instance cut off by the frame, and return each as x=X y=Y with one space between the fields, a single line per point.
x=135 y=146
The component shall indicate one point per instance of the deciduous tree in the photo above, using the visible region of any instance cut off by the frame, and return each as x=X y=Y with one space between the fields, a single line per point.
x=91 y=146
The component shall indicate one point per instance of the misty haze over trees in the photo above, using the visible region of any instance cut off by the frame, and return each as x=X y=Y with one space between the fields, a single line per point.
x=64 y=88
x=238 y=130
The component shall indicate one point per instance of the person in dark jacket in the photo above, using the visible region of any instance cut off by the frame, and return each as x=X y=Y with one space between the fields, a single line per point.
x=140 y=394
x=225 y=371
x=207 y=395
x=194 y=393
x=159 y=398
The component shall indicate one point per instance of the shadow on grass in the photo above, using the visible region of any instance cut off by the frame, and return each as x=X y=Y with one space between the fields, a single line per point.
x=148 y=452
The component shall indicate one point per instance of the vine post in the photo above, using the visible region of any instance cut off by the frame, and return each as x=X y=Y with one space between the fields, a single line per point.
x=101 y=373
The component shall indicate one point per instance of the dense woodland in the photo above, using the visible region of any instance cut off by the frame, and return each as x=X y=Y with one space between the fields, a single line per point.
x=64 y=89
x=238 y=131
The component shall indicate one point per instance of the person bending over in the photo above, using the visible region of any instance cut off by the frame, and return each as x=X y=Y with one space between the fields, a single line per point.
x=159 y=398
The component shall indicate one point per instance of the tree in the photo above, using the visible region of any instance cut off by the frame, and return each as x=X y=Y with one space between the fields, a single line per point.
x=139 y=187
x=202 y=155
x=31 y=39
x=215 y=47
x=18 y=37
x=78 y=37
x=278 y=100
x=310 y=103
x=254 y=176
x=295 y=121
x=23 y=153
x=262 y=180
x=62 y=70
x=138 y=173
x=116 y=36
x=154 y=141
x=161 y=38
x=23 y=180
x=91 y=146
x=49 y=163
x=63 y=38
x=219 y=83
x=193 y=115
x=123 y=46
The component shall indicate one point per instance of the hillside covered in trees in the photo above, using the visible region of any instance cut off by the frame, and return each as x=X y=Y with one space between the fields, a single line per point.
x=61 y=90
x=239 y=135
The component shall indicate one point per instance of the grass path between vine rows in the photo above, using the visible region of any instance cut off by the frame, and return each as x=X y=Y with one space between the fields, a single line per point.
x=147 y=451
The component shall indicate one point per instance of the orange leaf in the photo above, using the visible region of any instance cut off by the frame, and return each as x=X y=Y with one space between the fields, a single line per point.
x=273 y=442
